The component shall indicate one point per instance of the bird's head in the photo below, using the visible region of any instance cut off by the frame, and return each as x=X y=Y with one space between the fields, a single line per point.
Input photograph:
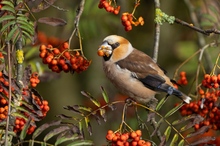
x=115 y=48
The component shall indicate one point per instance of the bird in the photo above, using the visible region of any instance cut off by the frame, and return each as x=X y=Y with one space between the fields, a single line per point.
x=133 y=72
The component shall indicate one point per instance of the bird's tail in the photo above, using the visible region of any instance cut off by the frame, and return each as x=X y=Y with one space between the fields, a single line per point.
x=173 y=91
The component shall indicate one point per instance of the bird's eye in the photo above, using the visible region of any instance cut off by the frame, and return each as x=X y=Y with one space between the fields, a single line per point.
x=115 y=45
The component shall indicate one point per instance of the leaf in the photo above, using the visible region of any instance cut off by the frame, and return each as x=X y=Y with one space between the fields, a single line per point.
x=167 y=133
x=181 y=143
x=161 y=103
x=25 y=128
x=102 y=113
x=183 y=119
x=87 y=94
x=196 y=120
x=7 y=2
x=88 y=125
x=55 y=132
x=52 y=21
x=43 y=5
x=5 y=26
x=174 y=140
x=65 y=139
x=7 y=18
x=81 y=143
x=209 y=17
x=172 y=111
x=62 y=116
x=104 y=94
x=20 y=115
x=8 y=8
x=204 y=139
x=11 y=33
x=40 y=129
x=201 y=130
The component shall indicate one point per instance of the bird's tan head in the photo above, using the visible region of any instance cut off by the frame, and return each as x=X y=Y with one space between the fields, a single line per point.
x=115 y=48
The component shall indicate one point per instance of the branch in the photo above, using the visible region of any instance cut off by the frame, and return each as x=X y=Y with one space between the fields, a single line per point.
x=157 y=34
x=191 y=26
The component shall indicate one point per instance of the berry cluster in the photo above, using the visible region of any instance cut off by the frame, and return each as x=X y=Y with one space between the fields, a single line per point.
x=211 y=81
x=34 y=79
x=126 y=139
x=108 y=7
x=207 y=106
x=127 y=21
x=19 y=125
x=182 y=80
x=32 y=97
x=63 y=59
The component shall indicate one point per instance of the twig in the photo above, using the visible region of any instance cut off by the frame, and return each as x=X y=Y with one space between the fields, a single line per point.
x=191 y=26
x=157 y=34
x=76 y=21
x=8 y=47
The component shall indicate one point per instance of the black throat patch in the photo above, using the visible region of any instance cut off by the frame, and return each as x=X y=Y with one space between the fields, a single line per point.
x=115 y=45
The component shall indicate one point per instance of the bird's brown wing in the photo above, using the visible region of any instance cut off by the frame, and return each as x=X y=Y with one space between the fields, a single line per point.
x=143 y=68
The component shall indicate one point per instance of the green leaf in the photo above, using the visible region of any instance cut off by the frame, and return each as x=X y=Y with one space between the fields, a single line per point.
x=7 y=18
x=161 y=103
x=172 y=111
x=81 y=143
x=27 y=35
x=20 y=115
x=8 y=8
x=55 y=132
x=174 y=140
x=25 y=129
x=11 y=33
x=65 y=139
x=209 y=17
x=5 y=26
x=40 y=129
x=105 y=95
x=88 y=125
x=7 y=2
x=87 y=109
x=167 y=133
x=181 y=143
x=87 y=94
x=102 y=113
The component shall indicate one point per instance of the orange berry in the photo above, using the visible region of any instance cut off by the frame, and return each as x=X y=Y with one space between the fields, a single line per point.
x=128 y=28
x=214 y=79
x=215 y=85
x=134 y=143
x=201 y=92
x=33 y=85
x=66 y=45
x=54 y=62
x=124 y=18
x=100 y=53
x=148 y=143
x=56 y=51
x=141 y=142
x=133 y=135
x=67 y=55
x=182 y=74
x=138 y=132
x=3 y=101
x=116 y=11
x=42 y=47
x=123 y=137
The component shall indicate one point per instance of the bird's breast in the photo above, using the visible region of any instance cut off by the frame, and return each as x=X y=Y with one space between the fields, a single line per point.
x=126 y=83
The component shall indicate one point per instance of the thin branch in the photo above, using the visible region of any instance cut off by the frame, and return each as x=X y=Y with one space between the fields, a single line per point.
x=8 y=46
x=191 y=26
x=157 y=34
x=76 y=20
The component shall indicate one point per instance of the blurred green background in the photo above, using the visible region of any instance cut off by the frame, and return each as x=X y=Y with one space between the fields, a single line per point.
x=177 y=43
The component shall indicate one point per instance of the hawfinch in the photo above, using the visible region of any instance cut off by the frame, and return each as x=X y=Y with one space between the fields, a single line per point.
x=133 y=72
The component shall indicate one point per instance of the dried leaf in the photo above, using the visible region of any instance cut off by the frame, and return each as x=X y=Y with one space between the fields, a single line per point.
x=55 y=132
x=52 y=21
x=81 y=142
x=197 y=119
x=65 y=139
x=62 y=116
x=40 y=129
x=204 y=139
x=73 y=109
x=201 y=130
x=43 y=5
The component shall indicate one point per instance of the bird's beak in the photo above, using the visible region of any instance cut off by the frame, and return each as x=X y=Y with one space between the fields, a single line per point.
x=105 y=50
